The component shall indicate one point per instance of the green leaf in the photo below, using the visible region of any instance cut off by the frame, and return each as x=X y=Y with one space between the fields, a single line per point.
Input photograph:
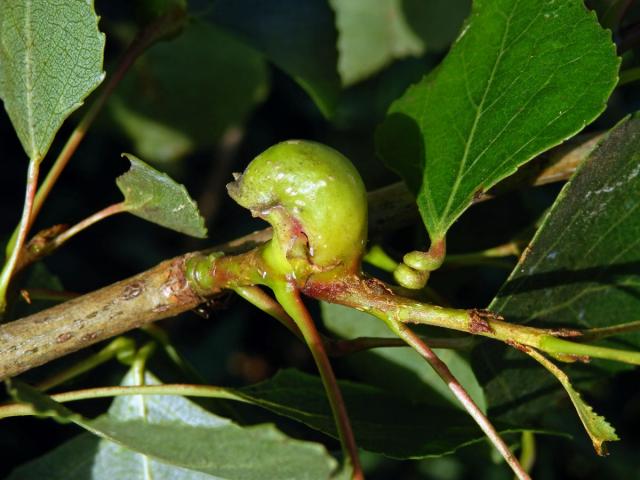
x=370 y=38
x=400 y=370
x=436 y=22
x=184 y=94
x=583 y=265
x=522 y=77
x=596 y=426
x=384 y=422
x=50 y=60
x=582 y=270
x=152 y=195
x=43 y=405
x=170 y=437
x=299 y=37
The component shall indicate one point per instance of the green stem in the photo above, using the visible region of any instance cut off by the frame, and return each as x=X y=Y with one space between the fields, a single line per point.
x=23 y=229
x=86 y=223
x=358 y=293
x=528 y=450
x=162 y=338
x=458 y=390
x=493 y=257
x=115 y=348
x=20 y=409
x=377 y=257
x=604 y=332
x=288 y=296
x=339 y=347
x=259 y=298
x=558 y=346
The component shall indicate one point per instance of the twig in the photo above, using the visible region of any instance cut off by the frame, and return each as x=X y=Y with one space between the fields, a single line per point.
x=30 y=256
x=158 y=293
x=459 y=391
x=23 y=230
x=289 y=297
x=604 y=332
x=376 y=298
x=340 y=347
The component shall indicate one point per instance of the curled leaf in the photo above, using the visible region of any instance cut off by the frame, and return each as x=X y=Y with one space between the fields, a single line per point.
x=154 y=196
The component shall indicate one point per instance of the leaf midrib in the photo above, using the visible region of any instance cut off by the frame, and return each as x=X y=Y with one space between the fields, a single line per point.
x=28 y=62
x=479 y=112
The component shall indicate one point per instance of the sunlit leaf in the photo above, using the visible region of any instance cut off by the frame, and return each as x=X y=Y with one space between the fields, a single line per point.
x=372 y=35
x=522 y=77
x=50 y=60
x=152 y=195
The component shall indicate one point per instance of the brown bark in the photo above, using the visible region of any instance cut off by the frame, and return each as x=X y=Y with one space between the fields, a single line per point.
x=158 y=293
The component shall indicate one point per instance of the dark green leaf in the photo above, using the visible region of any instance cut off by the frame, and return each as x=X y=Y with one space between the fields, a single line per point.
x=611 y=12
x=383 y=421
x=436 y=22
x=521 y=77
x=582 y=270
x=50 y=60
x=43 y=405
x=596 y=426
x=167 y=437
x=299 y=37
x=400 y=370
x=184 y=94
x=152 y=195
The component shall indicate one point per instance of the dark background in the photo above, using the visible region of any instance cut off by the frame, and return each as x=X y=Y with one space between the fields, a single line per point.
x=237 y=345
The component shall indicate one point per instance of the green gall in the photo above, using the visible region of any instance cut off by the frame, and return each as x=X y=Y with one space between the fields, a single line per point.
x=422 y=261
x=315 y=200
x=410 y=278
x=413 y=273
